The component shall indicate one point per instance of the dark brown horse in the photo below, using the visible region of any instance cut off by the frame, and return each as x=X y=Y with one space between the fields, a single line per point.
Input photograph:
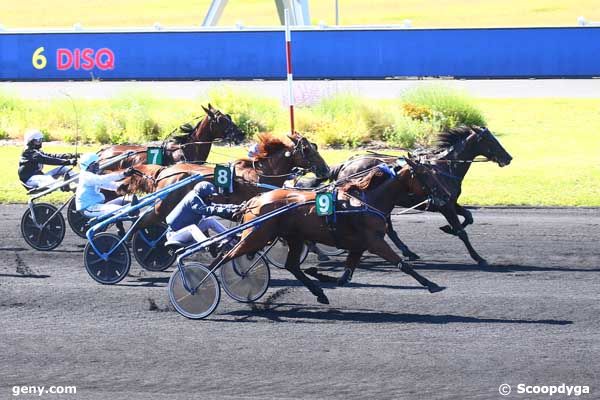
x=273 y=164
x=456 y=150
x=192 y=146
x=356 y=232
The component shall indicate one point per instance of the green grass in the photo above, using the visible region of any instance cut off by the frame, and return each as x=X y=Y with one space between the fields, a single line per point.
x=431 y=13
x=556 y=154
x=341 y=120
x=554 y=143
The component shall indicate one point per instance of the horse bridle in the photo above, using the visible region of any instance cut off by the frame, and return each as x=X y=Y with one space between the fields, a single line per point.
x=297 y=147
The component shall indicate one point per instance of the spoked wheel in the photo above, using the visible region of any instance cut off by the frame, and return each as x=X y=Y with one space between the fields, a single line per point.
x=246 y=278
x=115 y=267
x=77 y=221
x=49 y=231
x=330 y=251
x=278 y=254
x=200 y=295
x=149 y=249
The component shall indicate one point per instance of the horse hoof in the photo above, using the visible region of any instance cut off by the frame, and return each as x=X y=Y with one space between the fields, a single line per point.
x=483 y=264
x=411 y=256
x=435 y=288
x=323 y=299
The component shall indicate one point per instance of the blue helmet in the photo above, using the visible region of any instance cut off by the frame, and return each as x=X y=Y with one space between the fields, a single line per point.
x=204 y=189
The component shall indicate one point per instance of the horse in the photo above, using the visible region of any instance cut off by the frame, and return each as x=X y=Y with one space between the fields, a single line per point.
x=357 y=232
x=273 y=164
x=455 y=152
x=192 y=146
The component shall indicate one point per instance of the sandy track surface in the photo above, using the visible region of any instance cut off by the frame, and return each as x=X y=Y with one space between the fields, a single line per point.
x=533 y=318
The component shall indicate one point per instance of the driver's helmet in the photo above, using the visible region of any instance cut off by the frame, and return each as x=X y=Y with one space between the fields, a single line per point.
x=33 y=138
x=204 y=189
x=87 y=160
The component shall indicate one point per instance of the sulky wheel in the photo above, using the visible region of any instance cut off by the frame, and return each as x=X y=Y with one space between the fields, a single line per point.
x=246 y=278
x=48 y=229
x=278 y=254
x=330 y=251
x=115 y=267
x=200 y=295
x=77 y=221
x=149 y=249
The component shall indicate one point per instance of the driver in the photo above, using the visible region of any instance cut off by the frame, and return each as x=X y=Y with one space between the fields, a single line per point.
x=88 y=197
x=193 y=217
x=33 y=159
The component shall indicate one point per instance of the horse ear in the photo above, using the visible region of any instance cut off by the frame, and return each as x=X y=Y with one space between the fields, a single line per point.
x=294 y=137
x=412 y=163
x=208 y=111
x=210 y=107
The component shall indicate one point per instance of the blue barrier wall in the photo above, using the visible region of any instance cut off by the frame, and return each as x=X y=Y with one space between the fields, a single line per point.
x=317 y=54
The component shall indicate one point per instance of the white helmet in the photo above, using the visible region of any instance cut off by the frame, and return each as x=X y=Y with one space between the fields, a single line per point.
x=32 y=134
x=87 y=159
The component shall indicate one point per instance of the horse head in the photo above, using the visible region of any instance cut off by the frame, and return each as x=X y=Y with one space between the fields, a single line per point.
x=141 y=181
x=489 y=146
x=219 y=126
x=305 y=154
x=467 y=142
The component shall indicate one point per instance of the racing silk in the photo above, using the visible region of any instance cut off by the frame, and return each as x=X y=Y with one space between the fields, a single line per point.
x=386 y=170
x=88 y=190
x=192 y=209
x=32 y=161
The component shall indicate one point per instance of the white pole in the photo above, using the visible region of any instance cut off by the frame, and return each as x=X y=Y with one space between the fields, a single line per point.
x=290 y=78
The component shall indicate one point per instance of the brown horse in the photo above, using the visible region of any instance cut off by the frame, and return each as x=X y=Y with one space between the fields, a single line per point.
x=273 y=164
x=193 y=146
x=356 y=232
x=455 y=152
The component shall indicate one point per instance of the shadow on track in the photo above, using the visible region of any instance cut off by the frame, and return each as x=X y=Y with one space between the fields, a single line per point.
x=145 y=282
x=502 y=268
x=41 y=276
x=295 y=313
x=12 y=249
x=331 y=285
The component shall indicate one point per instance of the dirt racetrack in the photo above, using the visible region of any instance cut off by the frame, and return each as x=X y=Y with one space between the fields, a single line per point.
x=531 y=318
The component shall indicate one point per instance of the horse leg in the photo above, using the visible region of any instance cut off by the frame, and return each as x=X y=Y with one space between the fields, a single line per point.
x=312 y=247
x=406 y=252
x=383 y=250
x=450 y=214
x=466 y=214
x=352 y=262
x=460 y=210
x=292 y=264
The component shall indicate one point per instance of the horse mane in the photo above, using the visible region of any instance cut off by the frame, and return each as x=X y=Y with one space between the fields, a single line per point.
x=373 y=178
x=269 y=144
x=452 y=136
x=186 y=137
